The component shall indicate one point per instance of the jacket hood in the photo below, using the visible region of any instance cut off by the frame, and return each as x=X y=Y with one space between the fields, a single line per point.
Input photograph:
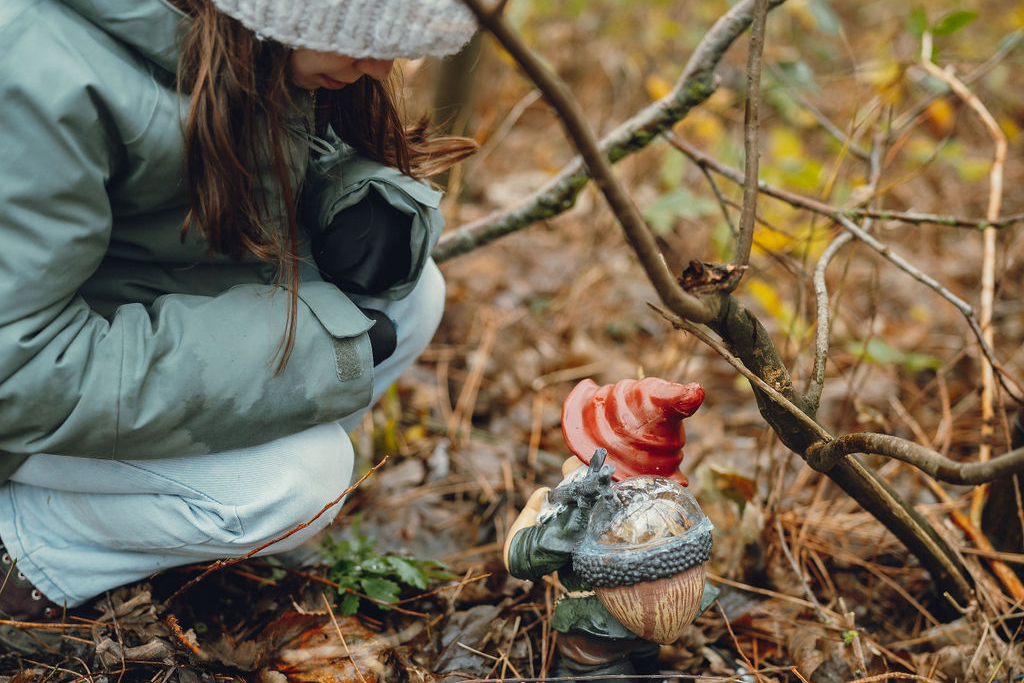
x=152 y=27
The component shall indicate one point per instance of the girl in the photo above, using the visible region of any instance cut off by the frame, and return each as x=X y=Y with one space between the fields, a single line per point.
x=214 y=257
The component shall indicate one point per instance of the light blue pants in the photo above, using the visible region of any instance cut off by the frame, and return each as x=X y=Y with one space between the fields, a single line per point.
x=80 y=526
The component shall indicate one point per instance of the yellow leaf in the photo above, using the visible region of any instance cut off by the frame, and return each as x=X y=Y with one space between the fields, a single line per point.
x=801 y=11
x=771 y=302
x=768 y=241
x=885 y=76
x=920 y=314
x=722 y=100
x=701 y=127
x=1009 y=127
x=657 y=87
x=940 y=116
x=784 y=143
x=973 y=170
x=415 y=433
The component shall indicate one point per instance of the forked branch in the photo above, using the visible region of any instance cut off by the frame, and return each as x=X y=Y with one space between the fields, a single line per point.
x=825 y=456
x=740 y=331
x=640 y=236
x=695 y=85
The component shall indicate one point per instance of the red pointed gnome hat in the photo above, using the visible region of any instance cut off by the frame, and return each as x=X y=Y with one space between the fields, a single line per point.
x=640 y=422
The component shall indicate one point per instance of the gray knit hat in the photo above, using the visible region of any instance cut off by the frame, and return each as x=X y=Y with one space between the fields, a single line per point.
x=380 y=29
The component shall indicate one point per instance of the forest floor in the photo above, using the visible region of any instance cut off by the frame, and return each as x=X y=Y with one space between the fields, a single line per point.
x=813 y=587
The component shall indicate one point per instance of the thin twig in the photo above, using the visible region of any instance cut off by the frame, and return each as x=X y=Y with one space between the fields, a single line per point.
x=117 y=633
x=824 y=456
x=824 y=317
x=1010 y=43
x=824 y=320
x=995 y=195
x=723 y=202
x=728 y=626
x=220 y=564
x=751 y=129
x=826 y=123
x=842 y=217
x=46 y=626
x=701 y=158
x=337 y=628
x=638 y=233
x=799 y=574
x=694 y=86
x=172 y=623
x=442 y=589
x=462 y=417
x=930 y=282
x=899 y=675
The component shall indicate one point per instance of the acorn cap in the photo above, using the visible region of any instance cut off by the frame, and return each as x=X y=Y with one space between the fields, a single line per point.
x=639 y=422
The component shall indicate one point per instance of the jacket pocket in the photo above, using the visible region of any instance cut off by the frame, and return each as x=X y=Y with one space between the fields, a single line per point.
x=347 y=327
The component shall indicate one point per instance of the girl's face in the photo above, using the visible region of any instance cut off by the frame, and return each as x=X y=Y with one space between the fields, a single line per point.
x=312 y=70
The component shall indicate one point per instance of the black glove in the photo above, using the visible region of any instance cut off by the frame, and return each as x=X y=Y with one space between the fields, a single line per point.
x=383 y=336
x=365 y=249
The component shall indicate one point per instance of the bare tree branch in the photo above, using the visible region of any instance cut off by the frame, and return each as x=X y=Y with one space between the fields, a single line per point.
x=705 y=335
x=825 y=456
x=988 y=280
x=751 y=129
x=740 y=331
x=747 y=339
x=703 y=159
x=824 y=314
x=694 y=86
x=639 y=234
x=841 y=216
x=824 y=320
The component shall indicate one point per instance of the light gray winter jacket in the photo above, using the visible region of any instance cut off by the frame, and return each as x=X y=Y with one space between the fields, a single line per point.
x=118 y=340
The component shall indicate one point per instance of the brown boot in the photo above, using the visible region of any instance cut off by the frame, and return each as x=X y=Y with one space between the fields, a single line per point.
x=20 y=601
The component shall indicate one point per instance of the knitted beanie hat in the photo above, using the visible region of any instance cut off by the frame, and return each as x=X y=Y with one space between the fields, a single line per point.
x=378 y=29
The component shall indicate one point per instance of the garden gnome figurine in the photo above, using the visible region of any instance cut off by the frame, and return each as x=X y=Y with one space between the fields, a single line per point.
x=630 y=554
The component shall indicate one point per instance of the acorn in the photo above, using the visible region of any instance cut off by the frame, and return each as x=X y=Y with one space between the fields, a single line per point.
x=645 y=552
x=658 y=610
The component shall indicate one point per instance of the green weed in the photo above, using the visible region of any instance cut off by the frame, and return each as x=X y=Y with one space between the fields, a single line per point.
x=361 y=572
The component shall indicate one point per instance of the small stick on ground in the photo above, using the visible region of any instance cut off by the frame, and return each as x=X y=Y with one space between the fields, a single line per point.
x=220 y=564
x=341 y=635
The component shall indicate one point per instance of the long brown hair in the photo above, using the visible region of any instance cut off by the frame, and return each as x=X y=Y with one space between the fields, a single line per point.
x=240 y=95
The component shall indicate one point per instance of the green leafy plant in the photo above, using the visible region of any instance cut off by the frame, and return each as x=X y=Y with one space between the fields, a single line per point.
x=360 y=571
x=946 y=25
x=882 y=353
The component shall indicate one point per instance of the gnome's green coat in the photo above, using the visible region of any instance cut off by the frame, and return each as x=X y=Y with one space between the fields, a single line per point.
x=545 y=548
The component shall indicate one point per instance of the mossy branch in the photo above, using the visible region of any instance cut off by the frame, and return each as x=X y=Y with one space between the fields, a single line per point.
x=743 y=335
x=695 y=85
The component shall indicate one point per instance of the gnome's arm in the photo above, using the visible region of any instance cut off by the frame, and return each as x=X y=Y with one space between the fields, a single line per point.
x=543 y=548
x=527 y=518
x=533 y=550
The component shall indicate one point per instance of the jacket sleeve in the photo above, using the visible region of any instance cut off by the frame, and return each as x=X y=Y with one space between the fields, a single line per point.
x=188 y=375
x=342 y=178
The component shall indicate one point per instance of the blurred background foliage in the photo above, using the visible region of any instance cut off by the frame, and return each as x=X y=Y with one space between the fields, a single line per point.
x=854 y=65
